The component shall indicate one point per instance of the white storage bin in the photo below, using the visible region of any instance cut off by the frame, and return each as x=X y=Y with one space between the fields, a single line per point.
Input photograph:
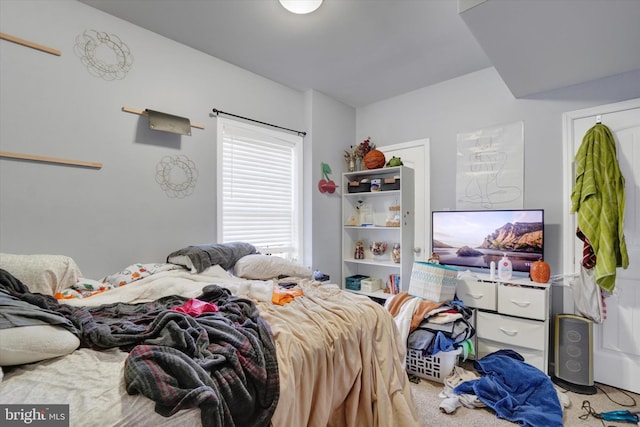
x=371 y=284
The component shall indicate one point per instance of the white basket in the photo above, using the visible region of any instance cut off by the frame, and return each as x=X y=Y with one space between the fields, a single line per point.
x=436 y=367
x=371 y=284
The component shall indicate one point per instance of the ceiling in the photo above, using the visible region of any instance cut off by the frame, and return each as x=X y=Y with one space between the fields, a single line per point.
x=363 y=51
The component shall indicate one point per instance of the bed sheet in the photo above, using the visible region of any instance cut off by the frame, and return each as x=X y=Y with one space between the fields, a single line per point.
x=340 y=359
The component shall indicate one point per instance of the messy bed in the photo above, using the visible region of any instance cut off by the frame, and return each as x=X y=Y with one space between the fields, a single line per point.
x=219 y=335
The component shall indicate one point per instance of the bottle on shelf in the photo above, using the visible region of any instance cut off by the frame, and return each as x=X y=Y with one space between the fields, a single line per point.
x=359 y=252
x=505 y=269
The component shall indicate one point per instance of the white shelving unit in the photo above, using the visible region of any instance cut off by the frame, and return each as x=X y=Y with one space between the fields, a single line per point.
x=368 y=217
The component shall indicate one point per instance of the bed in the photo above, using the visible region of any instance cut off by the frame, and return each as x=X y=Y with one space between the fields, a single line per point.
x=326 y=358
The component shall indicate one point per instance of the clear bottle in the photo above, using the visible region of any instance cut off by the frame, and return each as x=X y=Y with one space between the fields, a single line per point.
x=504 y=268
x=365 y=212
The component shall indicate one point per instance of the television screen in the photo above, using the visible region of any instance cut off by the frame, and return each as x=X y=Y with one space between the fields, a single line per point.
x=472 y=239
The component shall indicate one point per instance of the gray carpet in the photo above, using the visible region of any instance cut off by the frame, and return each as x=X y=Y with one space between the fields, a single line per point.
x=425 y=396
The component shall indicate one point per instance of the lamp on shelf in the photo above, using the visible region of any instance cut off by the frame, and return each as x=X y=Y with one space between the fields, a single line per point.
x=301 y=6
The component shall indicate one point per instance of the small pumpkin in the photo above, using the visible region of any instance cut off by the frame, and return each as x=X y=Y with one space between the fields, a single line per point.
x=374 y=159
x=540 y=271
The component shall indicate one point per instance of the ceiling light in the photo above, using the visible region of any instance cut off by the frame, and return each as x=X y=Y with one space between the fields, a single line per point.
x=301 y=6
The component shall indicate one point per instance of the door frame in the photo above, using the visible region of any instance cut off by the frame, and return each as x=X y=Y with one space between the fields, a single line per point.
x=605 y=346
x=424 y=143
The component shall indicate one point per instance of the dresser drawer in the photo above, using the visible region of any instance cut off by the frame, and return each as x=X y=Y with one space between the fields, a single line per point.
x=523 y=302
x=533 y=357
x=511 y=331
x=477 y=294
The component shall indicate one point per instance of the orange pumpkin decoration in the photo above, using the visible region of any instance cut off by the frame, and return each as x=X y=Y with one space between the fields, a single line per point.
x=540 y=271
x=374 y=159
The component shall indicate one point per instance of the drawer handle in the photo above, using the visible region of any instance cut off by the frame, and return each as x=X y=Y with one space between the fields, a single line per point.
x=521 y=303
x=476 y=296
x=511 y=333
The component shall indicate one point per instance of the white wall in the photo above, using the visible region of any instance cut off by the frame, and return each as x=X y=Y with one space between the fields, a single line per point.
x=109 y=218
x=479 y=100
x=51 y=105
x=333 y=125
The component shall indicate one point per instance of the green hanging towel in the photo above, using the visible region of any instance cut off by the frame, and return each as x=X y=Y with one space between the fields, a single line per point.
x=599 y=199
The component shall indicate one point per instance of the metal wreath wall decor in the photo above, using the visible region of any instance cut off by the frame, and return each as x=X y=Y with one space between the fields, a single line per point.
x=104 y=55
x=177 y=176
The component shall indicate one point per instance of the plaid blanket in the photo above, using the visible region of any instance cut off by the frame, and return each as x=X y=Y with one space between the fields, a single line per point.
x=222 y=362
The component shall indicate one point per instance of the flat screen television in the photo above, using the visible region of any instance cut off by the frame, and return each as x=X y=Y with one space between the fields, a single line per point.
x=472 y=239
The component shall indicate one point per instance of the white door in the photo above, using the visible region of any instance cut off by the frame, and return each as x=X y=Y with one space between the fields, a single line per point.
x=415 y=154
x=616 y=348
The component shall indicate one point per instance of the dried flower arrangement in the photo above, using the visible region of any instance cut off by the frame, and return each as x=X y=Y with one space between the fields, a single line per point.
x=358 y=152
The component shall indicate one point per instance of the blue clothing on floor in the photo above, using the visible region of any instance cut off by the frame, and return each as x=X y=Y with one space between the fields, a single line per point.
x=515 y=390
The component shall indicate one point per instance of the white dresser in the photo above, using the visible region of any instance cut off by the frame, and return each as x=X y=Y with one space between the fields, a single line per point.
x=511 y=314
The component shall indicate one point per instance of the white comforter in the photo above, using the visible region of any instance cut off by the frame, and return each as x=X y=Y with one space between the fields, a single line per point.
x=339 y=355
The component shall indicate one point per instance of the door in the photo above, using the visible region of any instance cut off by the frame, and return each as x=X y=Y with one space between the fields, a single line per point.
x=616 y=341
x=415 y=154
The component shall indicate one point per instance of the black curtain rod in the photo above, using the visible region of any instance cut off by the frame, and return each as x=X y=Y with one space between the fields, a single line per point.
x=299 y=132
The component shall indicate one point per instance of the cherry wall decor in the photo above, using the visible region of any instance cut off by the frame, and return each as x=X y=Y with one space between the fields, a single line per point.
x=326 y=185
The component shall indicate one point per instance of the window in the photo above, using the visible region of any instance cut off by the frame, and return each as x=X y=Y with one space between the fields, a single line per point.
x=259 y=188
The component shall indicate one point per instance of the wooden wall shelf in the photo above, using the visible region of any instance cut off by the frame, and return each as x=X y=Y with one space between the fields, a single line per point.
x=46 y=159
x=32 y=45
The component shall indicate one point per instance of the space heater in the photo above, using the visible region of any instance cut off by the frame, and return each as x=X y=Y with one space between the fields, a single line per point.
x=574 y=354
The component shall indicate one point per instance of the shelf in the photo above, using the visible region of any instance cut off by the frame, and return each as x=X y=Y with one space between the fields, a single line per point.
x=373 y=207
x=377 y=294
x=47 y=159
x=373 y=193
x=383 y=263
x=380 y=171
x=371 y=227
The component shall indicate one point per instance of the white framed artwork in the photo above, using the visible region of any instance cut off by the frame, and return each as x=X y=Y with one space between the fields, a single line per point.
x=490 y=168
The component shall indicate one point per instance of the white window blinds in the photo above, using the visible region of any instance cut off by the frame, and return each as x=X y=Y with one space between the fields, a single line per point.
x=259 y=188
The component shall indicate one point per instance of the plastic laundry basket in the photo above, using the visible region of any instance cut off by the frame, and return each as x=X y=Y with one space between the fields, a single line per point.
x=436 y=367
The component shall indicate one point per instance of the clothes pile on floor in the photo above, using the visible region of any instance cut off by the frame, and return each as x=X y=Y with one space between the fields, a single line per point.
x=444 y=329
x=513 y=389
x=431 y=327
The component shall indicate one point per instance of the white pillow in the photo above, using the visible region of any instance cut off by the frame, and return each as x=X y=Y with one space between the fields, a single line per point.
x=27 y=344
x=263 y=267
x=44 y=274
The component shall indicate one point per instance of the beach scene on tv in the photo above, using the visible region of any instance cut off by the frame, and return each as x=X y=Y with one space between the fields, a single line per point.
x=475 y=238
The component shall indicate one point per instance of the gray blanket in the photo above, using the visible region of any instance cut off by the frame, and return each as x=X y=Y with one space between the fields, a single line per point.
x=15 y=311
x=200 y=257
